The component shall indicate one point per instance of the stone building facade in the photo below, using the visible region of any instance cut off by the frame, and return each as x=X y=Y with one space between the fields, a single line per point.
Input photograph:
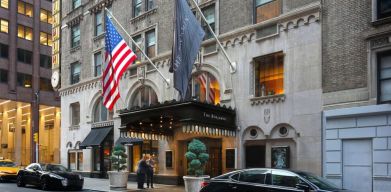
x=277 y=111
x=355 y=49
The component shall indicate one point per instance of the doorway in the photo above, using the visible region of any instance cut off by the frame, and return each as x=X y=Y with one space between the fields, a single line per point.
x=255 y=156
x=357 y=165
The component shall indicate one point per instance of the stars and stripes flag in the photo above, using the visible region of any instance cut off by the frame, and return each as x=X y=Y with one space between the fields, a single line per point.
x=210 y=97
x=118 y=57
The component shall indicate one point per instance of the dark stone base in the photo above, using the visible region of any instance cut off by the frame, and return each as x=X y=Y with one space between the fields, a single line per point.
x=160 y=179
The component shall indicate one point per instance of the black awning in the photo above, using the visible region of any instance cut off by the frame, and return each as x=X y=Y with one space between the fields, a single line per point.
x=96 y=136
x=162 y=118
x=128 y=140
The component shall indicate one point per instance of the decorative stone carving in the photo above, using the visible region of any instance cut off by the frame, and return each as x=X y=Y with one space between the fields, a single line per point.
x=267 y=99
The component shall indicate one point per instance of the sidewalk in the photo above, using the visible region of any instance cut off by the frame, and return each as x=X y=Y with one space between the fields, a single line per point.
x=95 y=184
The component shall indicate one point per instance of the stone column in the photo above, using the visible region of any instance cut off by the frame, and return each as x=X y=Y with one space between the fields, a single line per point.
x=4 y=133
x=56 y=138
x=18 y=134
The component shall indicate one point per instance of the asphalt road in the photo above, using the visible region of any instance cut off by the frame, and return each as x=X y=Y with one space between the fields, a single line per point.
x=11 y=187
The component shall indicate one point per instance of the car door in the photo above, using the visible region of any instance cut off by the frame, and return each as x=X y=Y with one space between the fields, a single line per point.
x=252 y=180
x=28 y=174
x=283 y=181
x=36 y=174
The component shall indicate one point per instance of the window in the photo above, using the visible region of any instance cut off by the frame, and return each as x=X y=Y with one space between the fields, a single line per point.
x=45 y=84
x=98 y=64
x=269 y=75
x=24 y=80
x=150 y=43
x=45 y=39
x=25 y=32
x=144 y=96
x=96 y=151
x=72 y=161
x=75 y=114
x=3 y=76
x=3 y=51
x=209 y=13
x=137 y=51
x=3 y=26
x=205 y=88
x=101 y=113
x=150 y=4
x=80 y=161
x=383 y=9
x=253 y=176
x=98 y=23
x=148 y=147
x=4 y=4
x=384 y=76
x=230 y=158
x=76 y=4
x=284 y=178
x=45 y=61
x=25 y=56
x=46 y=16
x=137 y=7
x=75 y=36
x=75 y=72
x=25 y=8
x=266 y=9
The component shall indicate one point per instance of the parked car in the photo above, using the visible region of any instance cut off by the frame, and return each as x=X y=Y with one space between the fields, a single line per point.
x=8 y=170
x=48 y=176
x=270 y=180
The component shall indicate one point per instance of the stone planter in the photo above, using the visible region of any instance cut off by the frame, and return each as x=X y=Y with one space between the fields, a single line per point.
x=193 y=184
x=118 y=180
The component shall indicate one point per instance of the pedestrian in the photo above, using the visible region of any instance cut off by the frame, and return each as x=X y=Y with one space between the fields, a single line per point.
x=142 y=168
x=151 y=165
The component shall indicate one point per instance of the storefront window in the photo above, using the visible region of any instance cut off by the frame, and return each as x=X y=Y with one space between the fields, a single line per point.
x=106 y=155
x=149 y=148
x=80 y=161
x=72 y=161
x=205 y=88
x=96 y=158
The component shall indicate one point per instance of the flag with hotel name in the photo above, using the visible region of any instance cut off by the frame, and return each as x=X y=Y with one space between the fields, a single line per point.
x=188 y=35
x=118 y=56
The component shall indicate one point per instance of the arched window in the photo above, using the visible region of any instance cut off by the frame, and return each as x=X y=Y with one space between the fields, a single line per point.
x=144 y=96
x=101 y=113
x=205 y=87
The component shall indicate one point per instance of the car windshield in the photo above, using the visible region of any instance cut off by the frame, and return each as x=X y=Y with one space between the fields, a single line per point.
x=318 y=181
x=55 y=168
x=7 y=164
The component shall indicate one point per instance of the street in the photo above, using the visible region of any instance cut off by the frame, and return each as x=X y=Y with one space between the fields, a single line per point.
x=91 y=184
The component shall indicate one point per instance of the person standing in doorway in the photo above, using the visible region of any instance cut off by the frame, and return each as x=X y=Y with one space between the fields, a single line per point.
x=151 y=166
x=142 y=169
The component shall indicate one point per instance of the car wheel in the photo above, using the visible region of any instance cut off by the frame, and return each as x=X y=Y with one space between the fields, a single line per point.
x=19 y=181
x=44 y=184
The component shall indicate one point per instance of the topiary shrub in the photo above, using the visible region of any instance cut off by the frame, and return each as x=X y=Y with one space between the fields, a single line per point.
x=118 y=158
x=197 y=157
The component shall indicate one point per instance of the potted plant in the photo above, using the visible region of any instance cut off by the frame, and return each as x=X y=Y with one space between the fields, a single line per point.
x=119 y=177
x=197 y=157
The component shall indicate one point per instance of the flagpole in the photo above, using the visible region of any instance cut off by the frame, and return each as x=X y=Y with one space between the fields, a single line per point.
x=232 y=64
x=138 y=47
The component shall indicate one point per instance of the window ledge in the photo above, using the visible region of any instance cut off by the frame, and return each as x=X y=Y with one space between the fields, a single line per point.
x=73 y=49
x=143 y=15
x=381 y=21
x=102 y=124
x=99 y=37
x=267 y=99
x=74 y=127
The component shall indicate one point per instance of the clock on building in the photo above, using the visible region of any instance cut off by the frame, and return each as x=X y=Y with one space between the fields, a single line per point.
x=55 y=79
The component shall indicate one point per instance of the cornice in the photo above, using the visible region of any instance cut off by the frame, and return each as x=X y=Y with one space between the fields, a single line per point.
x=93 y=83
x=100 y=5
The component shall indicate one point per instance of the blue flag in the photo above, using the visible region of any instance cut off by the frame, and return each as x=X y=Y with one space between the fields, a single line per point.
x=188 y=36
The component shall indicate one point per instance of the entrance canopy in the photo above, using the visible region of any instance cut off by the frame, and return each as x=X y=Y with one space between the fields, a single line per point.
x=96 y=136
x=159 y=121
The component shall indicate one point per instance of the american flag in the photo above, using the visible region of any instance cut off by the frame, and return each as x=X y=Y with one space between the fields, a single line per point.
x=211 y=94
x=117 y=59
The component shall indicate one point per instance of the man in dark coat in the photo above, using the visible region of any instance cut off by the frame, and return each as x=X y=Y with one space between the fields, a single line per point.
x=141 y=171
x=150 y=163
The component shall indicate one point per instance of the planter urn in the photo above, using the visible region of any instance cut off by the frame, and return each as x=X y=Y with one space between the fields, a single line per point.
x=193 y=183
x=118 y=180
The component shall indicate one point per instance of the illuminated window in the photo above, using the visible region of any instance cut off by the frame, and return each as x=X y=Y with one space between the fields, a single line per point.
x=101 y=113
x=46 y=16
x=3 y=26
x=45 y=39
x=25 y=8
x=4 y=4
x=266 y=9
x=72 y=161
x=269 y=75
x=205 y=88
x=24 y=80
x=25 y=32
